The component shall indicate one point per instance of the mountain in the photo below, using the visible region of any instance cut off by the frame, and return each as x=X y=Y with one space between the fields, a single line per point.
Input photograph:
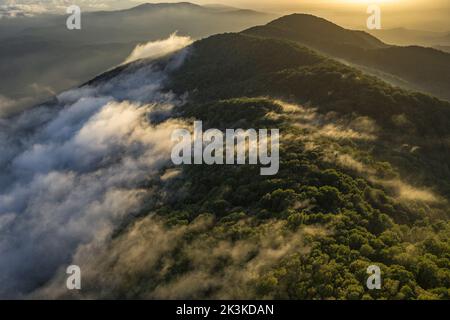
x=417 y=68
x=363 y=180
x=443 y=48
x=315 y=31
x=41 y=57
x=405 y=37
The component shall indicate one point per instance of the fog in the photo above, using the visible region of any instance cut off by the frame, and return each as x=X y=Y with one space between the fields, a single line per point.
x=412 y=14
x=72 y=169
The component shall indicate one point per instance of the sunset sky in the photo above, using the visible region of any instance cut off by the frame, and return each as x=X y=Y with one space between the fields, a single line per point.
x=417 y=14
x=412 y=14
x=293 y=4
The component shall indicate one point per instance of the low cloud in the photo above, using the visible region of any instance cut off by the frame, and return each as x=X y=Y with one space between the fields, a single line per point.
x=357 y=129
x=10 y=106
x=73 y=170
x=330 y=125
x=158 y=49
x=407 y=192
x=145 y=256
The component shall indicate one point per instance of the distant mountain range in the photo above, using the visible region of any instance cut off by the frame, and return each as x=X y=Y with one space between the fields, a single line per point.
x=40 y=57
x=413 y=67
x=443 y=48
x=403 y=36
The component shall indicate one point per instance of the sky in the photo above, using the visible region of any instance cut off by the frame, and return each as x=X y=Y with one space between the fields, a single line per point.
x=287 y=5
x=413 y=14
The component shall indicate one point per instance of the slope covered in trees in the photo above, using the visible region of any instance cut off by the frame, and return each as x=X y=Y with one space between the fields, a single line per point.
x=364 y=180
x=423 y=69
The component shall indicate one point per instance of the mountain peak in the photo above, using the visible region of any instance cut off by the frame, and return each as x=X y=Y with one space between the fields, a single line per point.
x=166 y=5
x=302 y=18
x=312 y=30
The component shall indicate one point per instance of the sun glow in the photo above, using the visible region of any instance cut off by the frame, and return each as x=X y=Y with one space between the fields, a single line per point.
x=370 y=1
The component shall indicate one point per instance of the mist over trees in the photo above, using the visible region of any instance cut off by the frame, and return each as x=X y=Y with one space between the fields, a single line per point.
x=363 y=180
x=40 y=57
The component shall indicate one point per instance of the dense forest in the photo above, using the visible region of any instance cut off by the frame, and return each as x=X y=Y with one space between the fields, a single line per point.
x=364 y=180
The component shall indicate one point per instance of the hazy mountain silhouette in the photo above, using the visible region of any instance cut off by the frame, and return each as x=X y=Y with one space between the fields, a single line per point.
x=40 y=56
x=413 y=67
x=363 y=179
x=403 y=36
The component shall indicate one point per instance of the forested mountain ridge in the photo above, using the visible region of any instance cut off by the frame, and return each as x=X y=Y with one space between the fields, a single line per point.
x=317 y=31
x=423 y=69
x=35 y=51
x=363 y=181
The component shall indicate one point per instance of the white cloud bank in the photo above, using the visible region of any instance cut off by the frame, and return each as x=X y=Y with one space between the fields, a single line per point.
x=158 y=49
x=71 y=171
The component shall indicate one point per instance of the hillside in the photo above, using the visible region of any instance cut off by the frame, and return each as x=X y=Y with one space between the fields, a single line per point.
x=364 y=179
x=40 y=57
x=316 y=31
x=407 y=37
x=423 y=69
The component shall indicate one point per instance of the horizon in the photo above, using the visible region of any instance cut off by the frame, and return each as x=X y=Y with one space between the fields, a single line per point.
x=352 y=13
x=412 y=14
x=178 y=152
